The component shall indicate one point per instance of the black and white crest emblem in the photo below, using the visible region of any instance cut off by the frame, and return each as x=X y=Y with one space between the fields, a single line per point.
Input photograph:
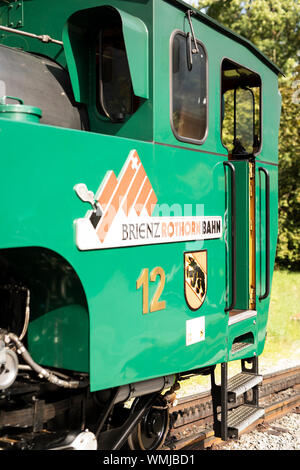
x=195 y=278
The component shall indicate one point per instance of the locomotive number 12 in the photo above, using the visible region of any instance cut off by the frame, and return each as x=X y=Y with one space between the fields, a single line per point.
x=143 y=280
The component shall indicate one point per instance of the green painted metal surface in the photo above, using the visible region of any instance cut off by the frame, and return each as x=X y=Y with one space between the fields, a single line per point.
x=137 y=47
x=125 y=345
x=89 y=314
x=263 y=305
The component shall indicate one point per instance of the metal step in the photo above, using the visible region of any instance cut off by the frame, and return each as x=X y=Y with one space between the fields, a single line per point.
x=237 y=347
x=242 y=417
x=235 y=316
x=241 y=383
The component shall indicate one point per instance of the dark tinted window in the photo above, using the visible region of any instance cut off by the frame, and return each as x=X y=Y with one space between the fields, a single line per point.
x=116 y=97
x=189 y=91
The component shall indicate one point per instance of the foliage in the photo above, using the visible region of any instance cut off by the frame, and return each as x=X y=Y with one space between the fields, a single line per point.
x=288 y=252
x=274 y=27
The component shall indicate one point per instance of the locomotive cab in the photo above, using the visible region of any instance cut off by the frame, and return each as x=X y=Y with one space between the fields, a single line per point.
x=138 y=239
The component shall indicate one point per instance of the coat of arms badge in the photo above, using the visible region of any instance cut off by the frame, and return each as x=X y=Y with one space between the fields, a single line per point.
x=195 y=278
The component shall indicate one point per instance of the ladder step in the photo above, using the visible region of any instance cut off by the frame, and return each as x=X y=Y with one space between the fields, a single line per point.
x=235 y=316
x=242 y=417
x=236 y=347
x=241 y=383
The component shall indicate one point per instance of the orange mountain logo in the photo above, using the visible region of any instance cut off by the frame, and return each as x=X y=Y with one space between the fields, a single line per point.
x=122 y=213
x=132 y=190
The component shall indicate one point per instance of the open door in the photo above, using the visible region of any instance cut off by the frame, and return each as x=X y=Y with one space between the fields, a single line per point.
x=241 y=135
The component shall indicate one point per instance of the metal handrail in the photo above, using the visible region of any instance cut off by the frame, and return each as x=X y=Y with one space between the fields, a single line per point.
x=233 y=234
x=267 y=290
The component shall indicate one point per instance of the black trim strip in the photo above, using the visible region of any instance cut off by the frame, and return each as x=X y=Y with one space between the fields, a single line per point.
x=188 y=148
x=209 y=153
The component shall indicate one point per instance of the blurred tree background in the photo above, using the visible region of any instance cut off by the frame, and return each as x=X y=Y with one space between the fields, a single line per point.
x=274 y=27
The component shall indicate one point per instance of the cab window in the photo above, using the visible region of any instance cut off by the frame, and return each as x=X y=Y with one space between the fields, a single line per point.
x=188 y=91
x=241 y=110
x=116 y=99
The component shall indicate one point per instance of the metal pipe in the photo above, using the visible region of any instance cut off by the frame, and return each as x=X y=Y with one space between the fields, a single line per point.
x=146 y=387
x=42 y=373
x=27 y=316
x=43 y=37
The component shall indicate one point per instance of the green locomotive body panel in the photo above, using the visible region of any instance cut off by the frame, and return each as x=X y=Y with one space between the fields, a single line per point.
x=121 y=312
x=118 y=330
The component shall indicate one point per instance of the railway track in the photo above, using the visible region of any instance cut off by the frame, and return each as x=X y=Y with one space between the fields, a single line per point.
x=192 y=418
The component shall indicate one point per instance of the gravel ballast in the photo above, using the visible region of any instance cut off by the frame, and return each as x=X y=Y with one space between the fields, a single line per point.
x=281 y=434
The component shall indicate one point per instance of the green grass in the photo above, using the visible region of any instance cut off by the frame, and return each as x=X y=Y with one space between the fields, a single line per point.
x=282 y=347
x=283 y=330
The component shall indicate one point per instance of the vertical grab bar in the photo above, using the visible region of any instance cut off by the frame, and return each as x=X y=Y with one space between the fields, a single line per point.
x=233 y=234
x=267 y=290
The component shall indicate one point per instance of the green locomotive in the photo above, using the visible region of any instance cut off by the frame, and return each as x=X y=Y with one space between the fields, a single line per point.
x=139 y=217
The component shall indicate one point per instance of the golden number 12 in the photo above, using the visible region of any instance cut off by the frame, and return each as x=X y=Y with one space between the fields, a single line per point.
x=143 y=280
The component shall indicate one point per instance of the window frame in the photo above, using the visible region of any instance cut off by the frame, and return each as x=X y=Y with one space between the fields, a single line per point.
x=179 y=137
x=238 y=64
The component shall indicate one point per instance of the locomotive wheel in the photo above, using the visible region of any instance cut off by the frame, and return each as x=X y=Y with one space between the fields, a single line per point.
x=150 y=433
